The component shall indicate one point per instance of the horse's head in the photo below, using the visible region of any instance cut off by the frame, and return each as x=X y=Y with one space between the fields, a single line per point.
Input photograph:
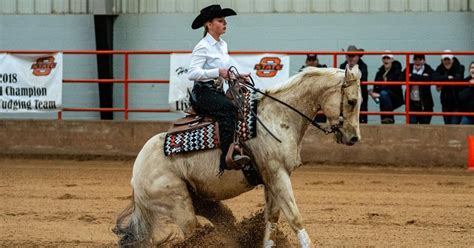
x=343 y=106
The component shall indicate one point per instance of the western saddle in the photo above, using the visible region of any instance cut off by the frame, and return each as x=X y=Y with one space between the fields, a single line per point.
x=236 y=156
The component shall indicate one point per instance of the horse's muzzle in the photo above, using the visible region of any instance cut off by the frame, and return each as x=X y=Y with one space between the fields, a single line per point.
x=353 y=140
x=342 y=137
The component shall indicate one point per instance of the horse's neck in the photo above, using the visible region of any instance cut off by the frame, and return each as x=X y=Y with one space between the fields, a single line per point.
x=305 y=97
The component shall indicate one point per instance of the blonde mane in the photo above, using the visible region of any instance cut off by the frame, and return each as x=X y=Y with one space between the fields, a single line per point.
x=323 y=76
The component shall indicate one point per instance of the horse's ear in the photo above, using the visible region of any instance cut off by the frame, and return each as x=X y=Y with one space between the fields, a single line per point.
x=347 y=70
x=356 y=66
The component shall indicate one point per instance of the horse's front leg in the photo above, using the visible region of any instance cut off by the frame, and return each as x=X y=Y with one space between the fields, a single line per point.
x=272 y=214
x=279 y=184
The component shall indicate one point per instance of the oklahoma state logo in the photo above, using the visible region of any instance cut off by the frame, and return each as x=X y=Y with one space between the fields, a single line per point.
x=43 y=66
x=268 y=67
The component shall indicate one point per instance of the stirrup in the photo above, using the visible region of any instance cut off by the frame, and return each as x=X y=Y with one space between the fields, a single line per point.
x=235 y=158
x=241 y=159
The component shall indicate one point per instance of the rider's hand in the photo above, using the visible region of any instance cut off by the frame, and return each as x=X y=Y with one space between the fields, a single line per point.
x=245 y=76
x=223 y=72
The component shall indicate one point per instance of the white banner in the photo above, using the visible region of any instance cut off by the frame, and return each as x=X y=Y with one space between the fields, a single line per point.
x=31 y=83
x=266 y=70
x=180 y=85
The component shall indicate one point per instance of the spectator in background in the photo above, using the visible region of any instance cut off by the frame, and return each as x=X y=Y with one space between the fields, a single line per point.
x=352 y=60
x=466 y=97
x=312 y=60
x=449 y=70
x=420 y=95
x=390 y=96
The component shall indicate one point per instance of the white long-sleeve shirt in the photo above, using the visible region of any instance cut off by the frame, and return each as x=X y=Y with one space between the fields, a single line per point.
x=208 y=56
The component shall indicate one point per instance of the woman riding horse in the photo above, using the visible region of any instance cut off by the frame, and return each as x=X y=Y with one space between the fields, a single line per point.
x=169 y=191
x=208 y=69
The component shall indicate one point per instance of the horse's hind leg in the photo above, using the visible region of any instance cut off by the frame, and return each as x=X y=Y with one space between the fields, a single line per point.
x=215 y=211
x=172 y=203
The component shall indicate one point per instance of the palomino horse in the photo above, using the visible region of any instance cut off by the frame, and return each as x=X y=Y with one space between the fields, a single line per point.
x=162 y=210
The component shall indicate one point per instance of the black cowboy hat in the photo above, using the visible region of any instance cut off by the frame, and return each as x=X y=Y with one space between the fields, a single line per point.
x=209 y=13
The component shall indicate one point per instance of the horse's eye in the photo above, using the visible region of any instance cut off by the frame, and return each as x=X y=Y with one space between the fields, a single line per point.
x=352 y=102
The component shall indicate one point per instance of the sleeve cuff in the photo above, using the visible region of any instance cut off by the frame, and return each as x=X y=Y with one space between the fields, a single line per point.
x=213 y=73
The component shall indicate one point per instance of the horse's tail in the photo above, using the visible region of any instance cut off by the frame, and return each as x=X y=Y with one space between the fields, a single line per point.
x=134 y=224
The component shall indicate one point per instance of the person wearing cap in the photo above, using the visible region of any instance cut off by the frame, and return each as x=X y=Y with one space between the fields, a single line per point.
x=312 y=61
x=354 y=59
x=208 y=69
x=421 y=99
x=449 y=70
x=466 y=96
x=390 y=96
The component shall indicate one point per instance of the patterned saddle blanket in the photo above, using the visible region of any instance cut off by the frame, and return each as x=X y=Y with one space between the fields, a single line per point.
x=195 y=133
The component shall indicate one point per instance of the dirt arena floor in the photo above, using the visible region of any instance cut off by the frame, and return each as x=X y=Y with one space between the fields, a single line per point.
x=71 y=203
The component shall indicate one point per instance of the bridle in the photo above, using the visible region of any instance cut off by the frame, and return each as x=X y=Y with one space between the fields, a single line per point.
x=235 y=78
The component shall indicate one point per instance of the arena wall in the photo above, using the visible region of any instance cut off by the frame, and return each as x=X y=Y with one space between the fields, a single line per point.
x=397 y=145
x=403 y=31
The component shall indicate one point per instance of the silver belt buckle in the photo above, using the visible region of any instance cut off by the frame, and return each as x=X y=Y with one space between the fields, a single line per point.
x=218 y=83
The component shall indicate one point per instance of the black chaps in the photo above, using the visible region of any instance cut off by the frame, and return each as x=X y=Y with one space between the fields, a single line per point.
x=210 y=101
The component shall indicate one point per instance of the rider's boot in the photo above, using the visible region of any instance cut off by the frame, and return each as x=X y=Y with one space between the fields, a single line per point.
x=235 y=158
x=241 y=159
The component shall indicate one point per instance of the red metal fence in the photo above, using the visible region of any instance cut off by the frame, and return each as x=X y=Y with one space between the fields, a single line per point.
x=126 y=80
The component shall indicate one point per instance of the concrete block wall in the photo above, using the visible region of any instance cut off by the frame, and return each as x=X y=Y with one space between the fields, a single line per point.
x=419 y=146
x=394 y=145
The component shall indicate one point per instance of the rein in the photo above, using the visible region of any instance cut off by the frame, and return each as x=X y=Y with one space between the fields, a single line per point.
x=237 y=79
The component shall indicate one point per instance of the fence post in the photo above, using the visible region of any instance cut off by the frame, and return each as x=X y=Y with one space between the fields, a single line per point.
x=125 y=86
x=470 y=152
x=407 y=90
